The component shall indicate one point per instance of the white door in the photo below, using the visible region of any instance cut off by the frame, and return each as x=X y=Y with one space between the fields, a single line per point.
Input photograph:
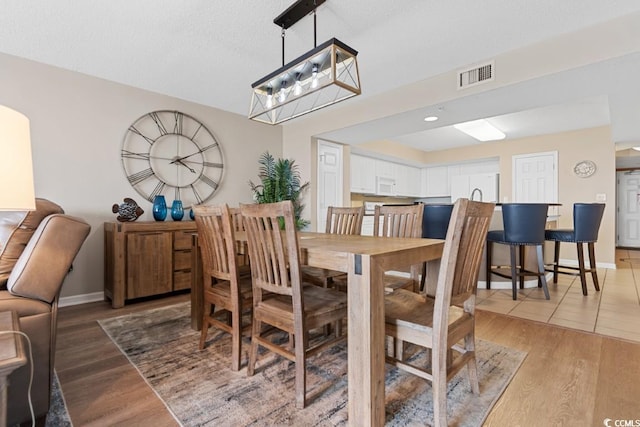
x=628 y=220
x=329 y=179
x=535 y=178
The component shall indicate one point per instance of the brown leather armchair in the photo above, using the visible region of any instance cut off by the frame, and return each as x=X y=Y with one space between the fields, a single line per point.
x=32 y=291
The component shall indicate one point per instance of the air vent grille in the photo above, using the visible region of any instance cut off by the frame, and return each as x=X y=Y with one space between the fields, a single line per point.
x=474 y=76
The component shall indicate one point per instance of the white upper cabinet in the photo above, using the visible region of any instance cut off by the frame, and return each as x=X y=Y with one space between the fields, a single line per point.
x=437 y=181
x=408 y=181
x=363 y=174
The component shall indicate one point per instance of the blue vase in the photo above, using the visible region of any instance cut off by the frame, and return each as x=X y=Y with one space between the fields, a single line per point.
x=192 y=214
x=177 y=212
x=159 y=208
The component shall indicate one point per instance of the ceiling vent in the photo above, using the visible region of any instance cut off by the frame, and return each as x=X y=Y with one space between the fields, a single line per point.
x=474 y=76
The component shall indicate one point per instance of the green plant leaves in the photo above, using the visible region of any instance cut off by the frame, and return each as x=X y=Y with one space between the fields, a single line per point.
x=280 y=180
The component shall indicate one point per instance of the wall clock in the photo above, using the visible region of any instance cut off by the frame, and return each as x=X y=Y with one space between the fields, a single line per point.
x=584 y=168
x=172 y=154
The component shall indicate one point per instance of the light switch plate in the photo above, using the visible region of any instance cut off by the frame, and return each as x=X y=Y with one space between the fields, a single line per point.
x=601 y=197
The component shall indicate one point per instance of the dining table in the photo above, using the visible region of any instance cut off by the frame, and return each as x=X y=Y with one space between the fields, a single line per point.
x=365 y=259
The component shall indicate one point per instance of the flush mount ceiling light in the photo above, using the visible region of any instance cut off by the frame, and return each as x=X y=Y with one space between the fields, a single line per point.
x=481 y=130
x=325 y=75
x=431 y=118
x=636 y=148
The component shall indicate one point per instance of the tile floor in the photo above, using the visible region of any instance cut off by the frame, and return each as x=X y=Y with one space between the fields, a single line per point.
x=614 y=311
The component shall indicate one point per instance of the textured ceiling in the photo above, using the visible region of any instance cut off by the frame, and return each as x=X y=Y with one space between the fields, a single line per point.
x=211 y=51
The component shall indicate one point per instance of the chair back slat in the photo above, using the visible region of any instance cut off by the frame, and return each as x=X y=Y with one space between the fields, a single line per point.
x=398 y=221
x=217 y=241
x=460 y=264
x=273 y=253
x=344 y=220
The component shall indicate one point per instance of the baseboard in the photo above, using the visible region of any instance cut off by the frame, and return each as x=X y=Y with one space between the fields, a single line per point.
x=80 y=299
x=574 y=263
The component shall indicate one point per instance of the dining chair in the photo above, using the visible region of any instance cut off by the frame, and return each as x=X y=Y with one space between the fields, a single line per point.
x=398 y=221
x=340 y=220
x=435 y=223
x=586 y=224
x=279 y=298
x=524 y=225
x=440 y=323
x=227 y=293
x=242 y=253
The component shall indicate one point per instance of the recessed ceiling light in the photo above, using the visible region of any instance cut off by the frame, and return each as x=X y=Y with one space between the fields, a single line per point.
x=636 y=148
x=431 y=118
x=481 y=130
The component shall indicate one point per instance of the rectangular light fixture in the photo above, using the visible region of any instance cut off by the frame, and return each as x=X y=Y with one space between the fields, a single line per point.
x=481 y=130
x=16 y=168
x=321 y=77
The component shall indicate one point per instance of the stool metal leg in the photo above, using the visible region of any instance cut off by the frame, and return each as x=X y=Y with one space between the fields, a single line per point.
x=583 y=278
x=488 y=267
x=512 y=251
x=542 y=276
x=521 y=265
x=592 y=261
x=556 y=260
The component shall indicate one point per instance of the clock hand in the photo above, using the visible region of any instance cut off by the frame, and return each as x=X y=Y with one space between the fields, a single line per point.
x=202 y=150
x=178 y=161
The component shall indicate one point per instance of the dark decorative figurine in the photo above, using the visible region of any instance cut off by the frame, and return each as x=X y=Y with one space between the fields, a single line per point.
x=127 y=211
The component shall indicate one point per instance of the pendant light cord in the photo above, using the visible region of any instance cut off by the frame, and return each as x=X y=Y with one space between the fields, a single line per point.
x=282 y=45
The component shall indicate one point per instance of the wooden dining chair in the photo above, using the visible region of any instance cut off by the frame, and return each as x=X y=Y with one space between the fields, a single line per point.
x=441 y=323
x=340 y=220
x=279 y=298
x=398 y=221
x=227 y=293
x=242 y=252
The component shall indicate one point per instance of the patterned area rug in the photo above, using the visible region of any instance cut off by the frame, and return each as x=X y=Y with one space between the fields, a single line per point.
x=200 y=389
x=57 y=415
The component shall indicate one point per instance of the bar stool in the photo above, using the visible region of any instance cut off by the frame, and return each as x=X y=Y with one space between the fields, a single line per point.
x=586 y=223
x=524 y=225
x=435 y=223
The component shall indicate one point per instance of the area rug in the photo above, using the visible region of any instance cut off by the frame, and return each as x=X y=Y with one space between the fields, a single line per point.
x=58 y=416
x=200 y=389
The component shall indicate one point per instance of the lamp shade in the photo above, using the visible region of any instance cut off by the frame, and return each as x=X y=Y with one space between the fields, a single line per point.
x=16 y=168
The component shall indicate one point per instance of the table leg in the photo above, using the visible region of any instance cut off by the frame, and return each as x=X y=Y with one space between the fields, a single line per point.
x=366 y=342
x=197 y=304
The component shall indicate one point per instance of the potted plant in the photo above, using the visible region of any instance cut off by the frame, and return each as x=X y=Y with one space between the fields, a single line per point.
x=280 y=180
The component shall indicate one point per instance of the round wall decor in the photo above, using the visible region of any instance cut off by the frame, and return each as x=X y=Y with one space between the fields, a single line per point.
x=584 y=168
x=172 y=154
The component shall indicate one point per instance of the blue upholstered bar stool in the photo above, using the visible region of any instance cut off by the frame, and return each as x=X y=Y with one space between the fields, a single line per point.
x=586 y=223
x=524 y=225
x=435 y=223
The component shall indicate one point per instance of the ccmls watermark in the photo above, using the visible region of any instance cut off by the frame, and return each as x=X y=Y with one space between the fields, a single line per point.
x=608 y=422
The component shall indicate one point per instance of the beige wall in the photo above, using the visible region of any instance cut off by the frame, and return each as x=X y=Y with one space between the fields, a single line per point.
x=77 y=126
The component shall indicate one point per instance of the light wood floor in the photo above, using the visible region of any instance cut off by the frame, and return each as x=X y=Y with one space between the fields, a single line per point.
x=569 y=378
x=614 y=311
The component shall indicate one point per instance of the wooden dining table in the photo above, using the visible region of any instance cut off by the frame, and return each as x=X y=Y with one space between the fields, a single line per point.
x=365 y=259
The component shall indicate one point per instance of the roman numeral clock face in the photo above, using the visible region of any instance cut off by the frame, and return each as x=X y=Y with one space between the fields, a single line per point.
x=172 y=154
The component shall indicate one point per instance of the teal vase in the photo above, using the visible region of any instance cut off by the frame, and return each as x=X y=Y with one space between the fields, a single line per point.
x=177 y=212
x=159 y=208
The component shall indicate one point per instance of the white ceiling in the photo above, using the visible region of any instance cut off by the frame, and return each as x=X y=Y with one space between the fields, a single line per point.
x=211 y=51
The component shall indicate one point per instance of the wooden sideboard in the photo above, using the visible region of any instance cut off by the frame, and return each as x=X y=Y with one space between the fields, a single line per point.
x=146 y=258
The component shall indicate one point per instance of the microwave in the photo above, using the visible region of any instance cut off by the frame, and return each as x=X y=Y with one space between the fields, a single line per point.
x=385 y=186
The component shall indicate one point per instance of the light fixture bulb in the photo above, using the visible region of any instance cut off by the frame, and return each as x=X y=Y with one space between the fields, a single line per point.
x=314 y=77
x=269 y=97
x=297 y=87
x=282 y=94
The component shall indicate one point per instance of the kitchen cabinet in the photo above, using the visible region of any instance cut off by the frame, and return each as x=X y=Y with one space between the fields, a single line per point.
x=363 y=174
x=146 y=258
x=463 y=185
x=408 y=181
x=437 y=181
x=386 y=169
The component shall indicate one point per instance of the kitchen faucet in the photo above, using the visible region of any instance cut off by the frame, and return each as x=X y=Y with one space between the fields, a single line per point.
x=474 y=192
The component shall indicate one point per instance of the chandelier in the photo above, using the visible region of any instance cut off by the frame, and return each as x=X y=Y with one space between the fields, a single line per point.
x=325 y=75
